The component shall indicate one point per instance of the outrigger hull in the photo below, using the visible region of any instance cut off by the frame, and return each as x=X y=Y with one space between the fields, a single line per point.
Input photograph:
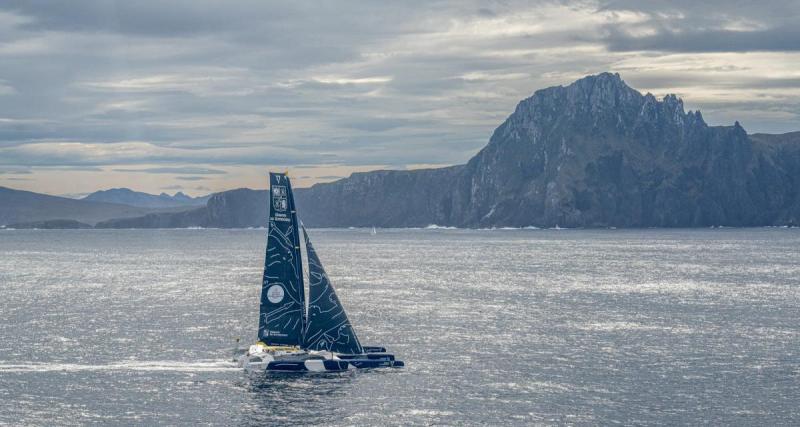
x=372 y=359
x=301 y=362
x=311 y=365
x=261 y=359
x=367 y=356
x=373 y=363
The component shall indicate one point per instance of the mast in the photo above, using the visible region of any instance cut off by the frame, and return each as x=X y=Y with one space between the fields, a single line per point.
x=282 y=314
x=327 y=327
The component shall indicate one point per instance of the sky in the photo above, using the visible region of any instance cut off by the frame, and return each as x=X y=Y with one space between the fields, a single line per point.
x=200 y=96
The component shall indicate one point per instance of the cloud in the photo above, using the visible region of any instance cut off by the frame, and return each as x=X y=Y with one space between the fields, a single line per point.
x=486 y=12
x=6 y=89
x=343 y=80
x=11 y=170
x=377 y=124
x=171 y=89
x=74 y=195
x=486 y=76
x=176 y=170
x=711 y=26
x=716 y=40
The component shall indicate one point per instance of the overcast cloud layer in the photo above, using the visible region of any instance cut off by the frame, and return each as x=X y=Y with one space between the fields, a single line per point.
x=205 y=96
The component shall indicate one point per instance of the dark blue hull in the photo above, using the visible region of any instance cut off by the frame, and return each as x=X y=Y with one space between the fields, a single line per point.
x=374 y=363
x=308 y=366
x=372 y=358
x=369 y=356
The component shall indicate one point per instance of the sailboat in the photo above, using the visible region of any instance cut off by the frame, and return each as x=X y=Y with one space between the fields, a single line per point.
x=299 y=332
x=374 y=231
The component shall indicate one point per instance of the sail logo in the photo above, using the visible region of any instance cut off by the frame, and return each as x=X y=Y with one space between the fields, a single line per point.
x=275 y=294
x=279 y=200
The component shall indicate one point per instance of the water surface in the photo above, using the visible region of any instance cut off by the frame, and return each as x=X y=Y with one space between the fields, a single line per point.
x=505 y=326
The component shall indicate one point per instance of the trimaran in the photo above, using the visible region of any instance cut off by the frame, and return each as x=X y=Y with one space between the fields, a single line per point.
x=295 y=333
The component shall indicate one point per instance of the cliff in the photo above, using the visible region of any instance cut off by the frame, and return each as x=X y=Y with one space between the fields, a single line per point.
x=595 y=153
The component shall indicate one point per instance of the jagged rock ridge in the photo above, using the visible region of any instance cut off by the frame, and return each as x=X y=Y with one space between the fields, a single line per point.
x=595 y=153
x=129 y=197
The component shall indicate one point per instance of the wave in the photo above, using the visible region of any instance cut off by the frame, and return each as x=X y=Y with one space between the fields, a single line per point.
x=527 y=227
x=440 y=227
x=153 y=365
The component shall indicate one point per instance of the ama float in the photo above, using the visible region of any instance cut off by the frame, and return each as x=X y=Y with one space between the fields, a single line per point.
x=301 y=331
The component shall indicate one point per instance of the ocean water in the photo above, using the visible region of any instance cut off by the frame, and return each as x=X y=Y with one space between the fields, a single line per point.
x=511 y=327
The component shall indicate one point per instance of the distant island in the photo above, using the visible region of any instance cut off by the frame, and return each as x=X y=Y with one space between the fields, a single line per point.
x=595 y=153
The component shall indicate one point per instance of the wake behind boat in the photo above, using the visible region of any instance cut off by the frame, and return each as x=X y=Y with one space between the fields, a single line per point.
x=298 y=333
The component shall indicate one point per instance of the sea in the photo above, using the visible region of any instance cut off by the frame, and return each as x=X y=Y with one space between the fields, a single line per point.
x=496 y=327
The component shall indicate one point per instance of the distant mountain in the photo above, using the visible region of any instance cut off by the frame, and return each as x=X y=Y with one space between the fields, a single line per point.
x=127 y=196
x=595 y=153
x=239 y=208
x=17 y=206
x=50 y=224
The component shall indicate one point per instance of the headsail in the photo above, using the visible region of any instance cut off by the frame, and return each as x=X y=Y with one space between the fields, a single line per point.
x=282 y=313
x=327 y=325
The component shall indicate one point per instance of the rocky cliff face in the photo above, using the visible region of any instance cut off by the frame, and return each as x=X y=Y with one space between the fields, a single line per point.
x=596 y=153
x=382 y=199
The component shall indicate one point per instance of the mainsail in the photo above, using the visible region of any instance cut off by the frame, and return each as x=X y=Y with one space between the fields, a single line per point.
x=282 y=313
x=327 y=325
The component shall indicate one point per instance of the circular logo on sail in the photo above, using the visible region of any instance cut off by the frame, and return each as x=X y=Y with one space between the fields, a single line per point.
x=275 y=294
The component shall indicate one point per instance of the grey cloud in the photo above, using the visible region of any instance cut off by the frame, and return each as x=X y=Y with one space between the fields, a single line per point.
x=204 y=84
x=486 y=12
x=74 y=195
x=773 y=39
x=174 y=170
x=376 y=124
x=191 y=178
x=243 y=159
x=71 y=168
x=665 y=79
x=708 y=26
x=172 y=18
x=15 y=171
x=173 y=187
